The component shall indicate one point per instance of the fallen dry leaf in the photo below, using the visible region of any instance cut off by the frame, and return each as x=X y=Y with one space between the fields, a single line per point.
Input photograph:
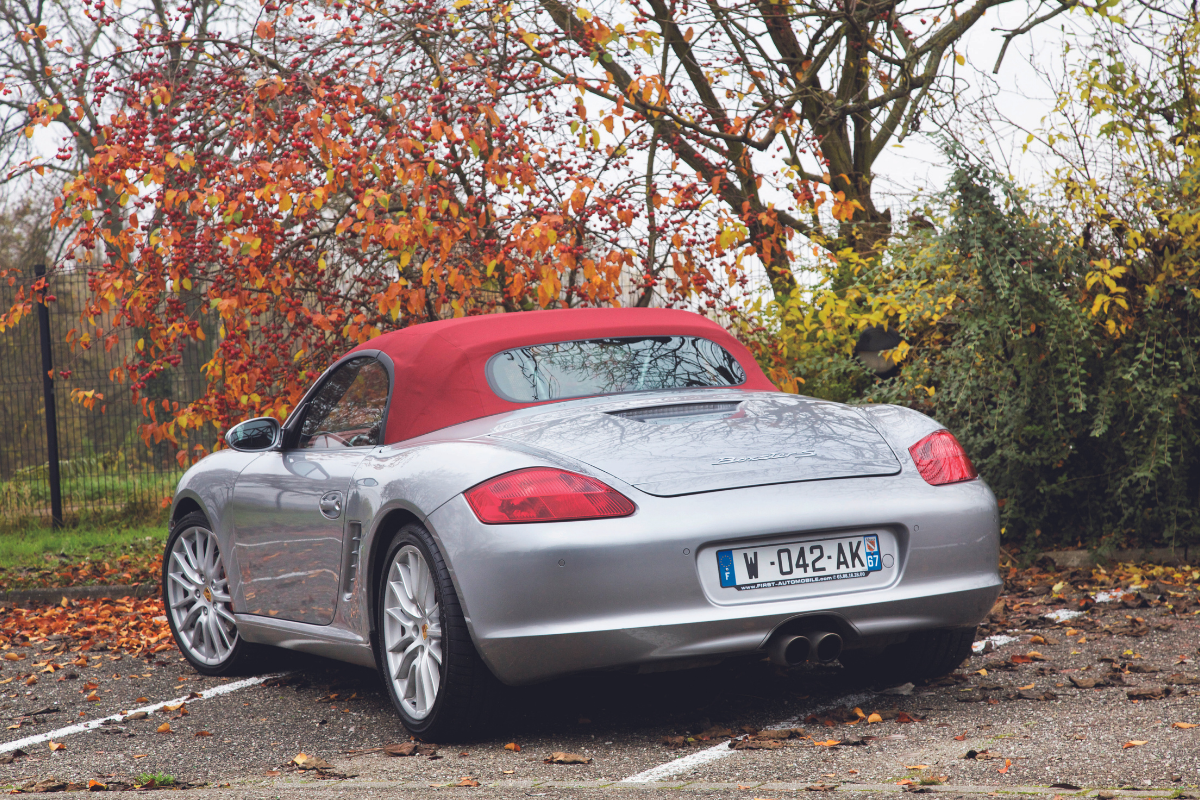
x=467 y=780
x=1004 y=770
x=1134 y=743
x=1184 y=725
x=982 y=755
x=304 y=761
x=1180 y=679
x=56 y=746
x=874 y=717
x=916 y=766
x=780 y=733
x=135 y=715
x=164 y=728
x=756 y=744
x=508 y=771
x=513 y=746
x=1023 y=688
x=96 y=786
x=821 y=787
x=405 y=749
x=828 y=743
x=559 y=757
x=202 y=733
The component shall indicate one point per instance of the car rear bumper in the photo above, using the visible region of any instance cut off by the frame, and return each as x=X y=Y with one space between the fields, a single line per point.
x=553 y=598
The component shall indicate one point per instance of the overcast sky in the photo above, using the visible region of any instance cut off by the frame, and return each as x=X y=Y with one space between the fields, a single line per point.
x=1020 y=93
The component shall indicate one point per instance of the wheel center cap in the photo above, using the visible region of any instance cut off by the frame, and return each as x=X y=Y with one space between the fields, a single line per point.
x=207 y=594
x=425 y=631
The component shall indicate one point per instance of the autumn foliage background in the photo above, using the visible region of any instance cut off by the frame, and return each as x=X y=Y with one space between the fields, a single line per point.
x=261 y=187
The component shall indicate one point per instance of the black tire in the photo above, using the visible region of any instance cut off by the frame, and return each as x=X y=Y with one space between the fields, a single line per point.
x=923 y=656
x=243 y=657
x=467 y=693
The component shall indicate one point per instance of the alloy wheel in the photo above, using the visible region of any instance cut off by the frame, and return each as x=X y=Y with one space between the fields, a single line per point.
x=198 y=594
x=412 y=634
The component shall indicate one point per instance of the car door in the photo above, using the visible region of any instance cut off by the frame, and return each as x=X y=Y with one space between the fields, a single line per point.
x=288 y=508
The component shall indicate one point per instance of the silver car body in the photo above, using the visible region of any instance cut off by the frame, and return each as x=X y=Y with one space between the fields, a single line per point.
x=709 y=470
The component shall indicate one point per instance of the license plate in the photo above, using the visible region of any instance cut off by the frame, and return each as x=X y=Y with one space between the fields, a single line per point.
x=799 y=562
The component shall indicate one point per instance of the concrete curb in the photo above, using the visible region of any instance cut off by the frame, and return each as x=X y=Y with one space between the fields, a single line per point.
x=1082 y=559
x=53 y=594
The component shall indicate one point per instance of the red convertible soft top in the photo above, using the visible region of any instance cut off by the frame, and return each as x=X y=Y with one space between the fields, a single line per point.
x=441 y=375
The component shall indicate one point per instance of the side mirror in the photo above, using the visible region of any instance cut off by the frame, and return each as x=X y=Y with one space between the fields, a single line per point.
x=255 y=435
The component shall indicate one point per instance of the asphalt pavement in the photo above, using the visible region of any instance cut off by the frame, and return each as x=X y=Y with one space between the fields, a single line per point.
x=1049 y=703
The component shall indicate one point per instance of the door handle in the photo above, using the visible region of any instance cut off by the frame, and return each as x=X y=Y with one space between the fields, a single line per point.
x=331 y=505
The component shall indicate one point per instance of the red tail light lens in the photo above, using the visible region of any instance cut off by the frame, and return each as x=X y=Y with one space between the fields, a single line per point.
x=543 y=494
x=941 y=459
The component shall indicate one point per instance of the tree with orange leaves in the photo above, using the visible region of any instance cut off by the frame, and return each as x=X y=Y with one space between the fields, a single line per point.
x=288 y=185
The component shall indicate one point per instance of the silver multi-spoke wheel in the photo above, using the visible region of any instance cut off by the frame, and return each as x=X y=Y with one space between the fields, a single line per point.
x=412 y=632
x=198 y=597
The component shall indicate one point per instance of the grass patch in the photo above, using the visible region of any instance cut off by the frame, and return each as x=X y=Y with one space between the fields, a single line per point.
x=154 y=779
x=41 y=556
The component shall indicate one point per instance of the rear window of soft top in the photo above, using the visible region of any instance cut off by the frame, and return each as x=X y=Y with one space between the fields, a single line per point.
x=590 y=367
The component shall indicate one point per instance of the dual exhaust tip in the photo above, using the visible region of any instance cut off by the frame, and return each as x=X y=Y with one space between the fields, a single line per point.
x=788 y=650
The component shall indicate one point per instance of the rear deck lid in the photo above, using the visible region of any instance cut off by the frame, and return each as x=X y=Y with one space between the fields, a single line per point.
x=669 y=447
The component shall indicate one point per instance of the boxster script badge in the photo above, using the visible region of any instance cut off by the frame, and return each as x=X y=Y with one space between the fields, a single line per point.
x=764 y=457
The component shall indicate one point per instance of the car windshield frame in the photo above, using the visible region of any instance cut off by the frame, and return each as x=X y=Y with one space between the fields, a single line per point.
x=499 y=384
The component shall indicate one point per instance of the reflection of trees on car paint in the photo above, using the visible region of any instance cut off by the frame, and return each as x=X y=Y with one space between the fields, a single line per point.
x=611 y=366
x=347 y=411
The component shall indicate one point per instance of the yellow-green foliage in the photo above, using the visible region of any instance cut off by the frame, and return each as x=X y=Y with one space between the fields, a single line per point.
x=1055 y=332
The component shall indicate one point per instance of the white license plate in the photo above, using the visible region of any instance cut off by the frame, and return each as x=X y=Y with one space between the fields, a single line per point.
x=796 y=563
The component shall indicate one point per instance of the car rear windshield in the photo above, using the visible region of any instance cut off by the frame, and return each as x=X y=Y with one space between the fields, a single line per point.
x=611 y=366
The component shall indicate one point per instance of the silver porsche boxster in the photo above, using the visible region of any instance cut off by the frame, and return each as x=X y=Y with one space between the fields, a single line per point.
x=512 y=497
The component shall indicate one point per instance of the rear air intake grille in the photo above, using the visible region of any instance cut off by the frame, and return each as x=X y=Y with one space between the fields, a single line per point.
x=657 y=413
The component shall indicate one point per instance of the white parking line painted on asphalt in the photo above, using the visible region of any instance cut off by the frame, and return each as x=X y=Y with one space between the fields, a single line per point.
x=90 y=725
x=696 y=759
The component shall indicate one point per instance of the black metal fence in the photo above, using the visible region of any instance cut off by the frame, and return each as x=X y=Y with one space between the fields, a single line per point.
x=105 y=471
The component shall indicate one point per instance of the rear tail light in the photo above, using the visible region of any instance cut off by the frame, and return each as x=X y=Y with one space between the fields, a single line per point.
x=543 y=494
x=941 y=459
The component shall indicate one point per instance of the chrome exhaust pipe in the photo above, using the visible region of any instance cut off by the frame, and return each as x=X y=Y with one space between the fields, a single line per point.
x=825 y=646
x=788 y=651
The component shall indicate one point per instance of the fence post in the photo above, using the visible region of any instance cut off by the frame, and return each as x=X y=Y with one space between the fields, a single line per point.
x=56 y=512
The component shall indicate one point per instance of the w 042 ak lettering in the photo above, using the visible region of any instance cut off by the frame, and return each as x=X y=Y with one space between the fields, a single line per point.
x=795 y=563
